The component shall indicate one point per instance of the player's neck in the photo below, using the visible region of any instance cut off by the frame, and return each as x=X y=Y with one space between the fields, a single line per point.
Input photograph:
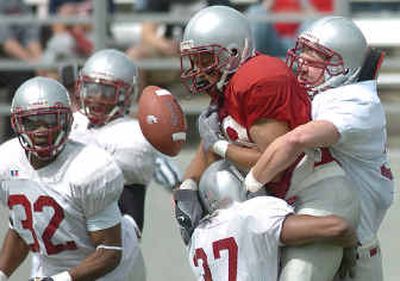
x=39 y=163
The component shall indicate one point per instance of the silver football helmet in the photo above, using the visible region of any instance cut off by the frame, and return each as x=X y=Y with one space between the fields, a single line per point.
x=217 y=40
x=342 y=46
x=106 y=86
x=41 y=116
x=220 y=186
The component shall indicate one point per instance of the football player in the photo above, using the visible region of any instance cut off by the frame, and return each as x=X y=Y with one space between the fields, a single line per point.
x=333 y=61
x=240 y=240
x=62 y=195
x=255 y=99
x=105 y=88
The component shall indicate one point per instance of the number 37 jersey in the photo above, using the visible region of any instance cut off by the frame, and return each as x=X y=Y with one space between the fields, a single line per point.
x=50 y=207
x=241 y=242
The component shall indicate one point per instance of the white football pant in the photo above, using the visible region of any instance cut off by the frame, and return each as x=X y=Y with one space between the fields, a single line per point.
x=369 y=264
x=318 y=261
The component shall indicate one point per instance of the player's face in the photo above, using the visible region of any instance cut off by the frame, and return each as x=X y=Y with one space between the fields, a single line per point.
x=205 y=63
x=201 y=68
x=99 y=98
x=311 y=68
x=42 y=128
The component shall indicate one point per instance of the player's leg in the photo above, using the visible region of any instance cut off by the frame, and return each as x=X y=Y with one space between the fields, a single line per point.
x=369 y=264
x=319 y=262
x=313 y=262
x=35 y=264
x=132 y=202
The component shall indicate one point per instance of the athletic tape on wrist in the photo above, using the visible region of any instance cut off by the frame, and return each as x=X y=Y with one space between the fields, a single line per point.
x=188 y=184
x=220 y=147
x=63 y=276
x=251 y=184
x=105 y=247
x=3 y=276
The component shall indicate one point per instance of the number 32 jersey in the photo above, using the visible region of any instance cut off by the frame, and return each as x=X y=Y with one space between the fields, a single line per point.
x=50 y=208
x=241 y=242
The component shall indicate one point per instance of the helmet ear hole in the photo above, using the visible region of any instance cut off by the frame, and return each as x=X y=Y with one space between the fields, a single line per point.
x=234 y=52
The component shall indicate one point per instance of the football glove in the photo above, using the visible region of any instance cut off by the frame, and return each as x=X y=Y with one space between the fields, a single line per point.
x=167 y=173
x=209 y=127
x=188 y=209
x=348 y=263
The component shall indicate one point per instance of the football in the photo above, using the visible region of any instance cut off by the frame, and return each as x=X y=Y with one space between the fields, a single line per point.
x=162 y=120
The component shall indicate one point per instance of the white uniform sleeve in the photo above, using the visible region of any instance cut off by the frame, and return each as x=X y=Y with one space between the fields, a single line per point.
x=104 y=219
x=3 y=193
x=137 y=162
x=134 y=155
x=354 y=110
x=167 y=173
x=98 y=183
x=265 y=215
x=12 y=151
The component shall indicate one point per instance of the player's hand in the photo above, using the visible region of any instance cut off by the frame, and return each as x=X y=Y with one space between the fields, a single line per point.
x=63 y=276
x=251 y=184
x=348 y=263
x=188 y=209
x=167 y=173
x=209 y=126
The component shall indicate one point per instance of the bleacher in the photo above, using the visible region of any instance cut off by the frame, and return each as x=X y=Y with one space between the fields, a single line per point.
x=379 y=30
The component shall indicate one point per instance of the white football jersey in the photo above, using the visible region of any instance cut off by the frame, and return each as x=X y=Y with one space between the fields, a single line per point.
x=50 y=208
x=124 y=140
x=358 y=114
x=240 y=242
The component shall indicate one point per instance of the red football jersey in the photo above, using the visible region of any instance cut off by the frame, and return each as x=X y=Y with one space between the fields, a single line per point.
x=263 y=88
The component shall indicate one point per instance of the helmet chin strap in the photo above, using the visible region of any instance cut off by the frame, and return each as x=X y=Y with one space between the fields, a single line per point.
x=222 y=81
x=112 y=113
x=337 y=81
x=234 y=63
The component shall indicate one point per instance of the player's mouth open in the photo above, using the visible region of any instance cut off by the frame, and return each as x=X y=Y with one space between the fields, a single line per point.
x=97 y=110
x=201 y=83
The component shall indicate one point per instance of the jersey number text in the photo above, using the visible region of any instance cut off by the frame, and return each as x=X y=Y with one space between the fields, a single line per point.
x=51 y=228
x=228 y=244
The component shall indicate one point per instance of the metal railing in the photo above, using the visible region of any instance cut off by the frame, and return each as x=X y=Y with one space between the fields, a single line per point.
x=100 y=21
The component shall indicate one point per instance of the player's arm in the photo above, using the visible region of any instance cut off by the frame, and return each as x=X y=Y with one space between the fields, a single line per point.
x=188 y=209
x=303 y=229
x=264 y=132
x=13 y=253
x=201 y=160
x=104 y=259
x=283 y=151
x=241 y=156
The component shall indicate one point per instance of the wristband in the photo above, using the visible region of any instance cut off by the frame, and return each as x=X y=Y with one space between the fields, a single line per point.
x=3 y=276
x=105 y=247
x=188 y=184
x=63 y=276
x=251 y=183
x=220 y=147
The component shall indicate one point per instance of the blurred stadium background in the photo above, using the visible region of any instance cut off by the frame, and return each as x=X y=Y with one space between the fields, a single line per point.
x=163 y=250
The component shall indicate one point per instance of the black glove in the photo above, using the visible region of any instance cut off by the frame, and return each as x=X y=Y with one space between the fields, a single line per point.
x=188 y=212
x=348 y=263
x=209 y=126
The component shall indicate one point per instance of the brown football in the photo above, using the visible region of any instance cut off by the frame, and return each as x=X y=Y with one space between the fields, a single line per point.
x=162 y=120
